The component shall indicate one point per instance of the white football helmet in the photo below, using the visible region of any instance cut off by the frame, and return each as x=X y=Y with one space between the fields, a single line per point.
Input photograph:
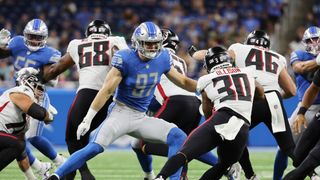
x=147 y=39
x=33 y=82
x=311 y=39
x=35 y=34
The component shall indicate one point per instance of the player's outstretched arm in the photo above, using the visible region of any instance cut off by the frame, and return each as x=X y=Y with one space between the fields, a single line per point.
x=5 y=37
x=287 y=84
x=28 y=106
x=181 y=80
x=52 y=71
x=302 y=67
x=111 y=82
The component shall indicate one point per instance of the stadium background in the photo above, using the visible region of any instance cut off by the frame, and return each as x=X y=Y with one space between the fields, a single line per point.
x=203 y=23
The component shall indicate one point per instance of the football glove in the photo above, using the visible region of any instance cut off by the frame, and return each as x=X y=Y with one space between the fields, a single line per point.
x=52 y=111
x=191 y=50
x=5 y=37
x=83 y=128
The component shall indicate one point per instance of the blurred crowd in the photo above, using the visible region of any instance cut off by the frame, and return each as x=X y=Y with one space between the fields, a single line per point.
x=203 y=23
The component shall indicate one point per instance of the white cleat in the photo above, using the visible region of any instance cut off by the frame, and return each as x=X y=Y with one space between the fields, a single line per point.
x=315 y=177
x=44 y=171
x=159 y=178
x=254 y=177
x=234 y=172
x=60 y=160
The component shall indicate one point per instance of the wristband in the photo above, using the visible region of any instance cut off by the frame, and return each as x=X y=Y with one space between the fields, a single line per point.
x=302 y=110
x=90 y=115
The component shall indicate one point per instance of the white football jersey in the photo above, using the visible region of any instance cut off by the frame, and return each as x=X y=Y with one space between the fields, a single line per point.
x=12 y=119
x=230 y=87
x=93 y=59
x=268 y=64
x=166 y=88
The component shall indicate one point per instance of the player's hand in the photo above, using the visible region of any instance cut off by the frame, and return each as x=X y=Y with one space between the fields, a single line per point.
x=52 y=111
x=318 y=59
x=5 y=37
x=83 y=128
x=191 y=50
x=300 y=120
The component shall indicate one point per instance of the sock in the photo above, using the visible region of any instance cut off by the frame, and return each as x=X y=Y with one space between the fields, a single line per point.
x=77 y=159
x=172 y=165
x=58 y=160
x=280 y=165
x=36 y=164
x=175 y=139
x=29 y=154
x=145 y=160
x=29 y=174
x=208 y=158
x=246 y=164
x=44 y=146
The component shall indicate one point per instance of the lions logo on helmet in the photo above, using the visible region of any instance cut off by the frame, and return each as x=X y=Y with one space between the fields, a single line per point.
x=35 y=34
x=147 y=39
x=311 y=39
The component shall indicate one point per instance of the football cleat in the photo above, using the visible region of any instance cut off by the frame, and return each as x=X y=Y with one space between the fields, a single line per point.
x=315 y=177
x=60 y=160
x=53 y=177
x=159 y=178
x=254 y=177
x=43 y=172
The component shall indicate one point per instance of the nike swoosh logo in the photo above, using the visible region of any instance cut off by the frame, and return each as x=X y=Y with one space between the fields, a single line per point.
x=3 y=106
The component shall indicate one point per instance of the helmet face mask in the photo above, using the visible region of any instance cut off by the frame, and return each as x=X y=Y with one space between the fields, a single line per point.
x=311 y=40
x=147 y=40
x=35 y=34
x=170 y=39
x=33 y=83
x=217 y=58
x=98 y=29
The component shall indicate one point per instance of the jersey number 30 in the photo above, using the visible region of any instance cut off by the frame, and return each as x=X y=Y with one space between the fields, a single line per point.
x=98 y=57
x=236 y=86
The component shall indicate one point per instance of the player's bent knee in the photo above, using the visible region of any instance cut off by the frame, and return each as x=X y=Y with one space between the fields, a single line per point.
x=136 y=144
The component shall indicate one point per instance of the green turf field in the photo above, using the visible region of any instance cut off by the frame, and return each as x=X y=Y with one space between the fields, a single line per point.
x=123 y=165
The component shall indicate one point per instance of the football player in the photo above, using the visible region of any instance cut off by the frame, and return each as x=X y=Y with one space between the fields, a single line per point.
x=229 y=91
x=92 y=56
x=308 y=147
x=178 y=106
x=30 y=50
x=304 y=66
x=134 y=75
x=17 y=106
x=277 y=84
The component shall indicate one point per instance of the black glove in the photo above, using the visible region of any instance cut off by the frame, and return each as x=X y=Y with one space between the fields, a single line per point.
x=191 y=50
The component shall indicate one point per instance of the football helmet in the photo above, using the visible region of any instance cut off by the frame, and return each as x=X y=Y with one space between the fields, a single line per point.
x=147 y=39
x=98 y=28
x=170 y=39
x=258 y=38
x=216 y=58
x=35 y=34
x=311 y=39
x=33 y=82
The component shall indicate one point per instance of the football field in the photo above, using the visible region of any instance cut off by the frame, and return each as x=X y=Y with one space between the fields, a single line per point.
x=123 y=165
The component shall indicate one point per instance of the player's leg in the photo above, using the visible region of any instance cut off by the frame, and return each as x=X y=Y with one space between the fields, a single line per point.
x=10 y=149
x=201 y=140
x=40 y=142
x=114 y=126
x=24 y=166
x=308 y=164
x=229 y=152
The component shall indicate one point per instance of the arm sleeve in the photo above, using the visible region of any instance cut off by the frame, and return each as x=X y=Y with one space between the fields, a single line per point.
x=316 y=78
x=117 y=62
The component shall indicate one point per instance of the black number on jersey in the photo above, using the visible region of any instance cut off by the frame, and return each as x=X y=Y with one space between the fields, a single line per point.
x=237 y=87
x=100 y=58
x=181 y=70
x=255 y=57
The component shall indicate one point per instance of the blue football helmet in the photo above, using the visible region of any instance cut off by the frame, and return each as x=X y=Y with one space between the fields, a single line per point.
x=35 y=34
x=147 y=39
x=311 y=39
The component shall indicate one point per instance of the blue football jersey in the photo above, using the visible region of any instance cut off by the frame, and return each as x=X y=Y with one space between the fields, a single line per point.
x=139 y=77
x=303 y=81
x=23 y=57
